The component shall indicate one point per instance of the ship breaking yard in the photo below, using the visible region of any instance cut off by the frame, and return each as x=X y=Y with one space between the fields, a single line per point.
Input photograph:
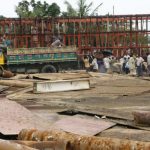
x=75 y=110
x=79 y=82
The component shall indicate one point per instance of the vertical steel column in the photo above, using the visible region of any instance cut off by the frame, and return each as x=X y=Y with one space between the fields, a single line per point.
x=131 y=32
x=137 y=33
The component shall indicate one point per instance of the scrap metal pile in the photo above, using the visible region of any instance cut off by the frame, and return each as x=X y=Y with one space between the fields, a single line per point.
x=74 y=111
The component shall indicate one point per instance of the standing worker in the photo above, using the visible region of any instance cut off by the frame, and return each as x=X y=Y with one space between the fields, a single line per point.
x=57 y=42
x=107 y=61
x=86 y=63
x=95 y=65
x=132 y=67
x=139 y=63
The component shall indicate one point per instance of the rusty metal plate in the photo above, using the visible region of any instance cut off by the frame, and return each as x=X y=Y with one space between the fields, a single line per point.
x=142 y=118
x=82 y=126
x=14 y=118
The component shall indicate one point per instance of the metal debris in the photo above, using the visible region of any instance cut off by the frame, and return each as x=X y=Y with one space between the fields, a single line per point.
x=61 y=85
x=82 y=126
x=142 y=117
x=7 y=74
x=77 y=142
x=14 y=118
x=60 y=76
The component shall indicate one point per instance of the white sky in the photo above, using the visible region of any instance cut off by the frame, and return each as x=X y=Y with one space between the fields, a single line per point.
x=7 y=7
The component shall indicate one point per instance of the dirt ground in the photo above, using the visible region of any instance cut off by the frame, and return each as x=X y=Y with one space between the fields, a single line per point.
x=111 y=96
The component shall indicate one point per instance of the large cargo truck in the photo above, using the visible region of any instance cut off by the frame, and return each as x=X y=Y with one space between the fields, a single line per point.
x=42 y=59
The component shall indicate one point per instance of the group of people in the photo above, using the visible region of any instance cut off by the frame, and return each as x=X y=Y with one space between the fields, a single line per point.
x=135 y=65
x=128 y=64
x=92 y=63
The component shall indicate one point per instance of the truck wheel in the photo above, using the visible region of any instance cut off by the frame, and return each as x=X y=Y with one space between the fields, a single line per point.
x=1 y=70
x=48 y=69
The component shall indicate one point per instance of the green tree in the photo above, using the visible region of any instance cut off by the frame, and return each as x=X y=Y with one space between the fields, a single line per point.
x=22 y=9
x=70 y=10
x=53 y=10
x=36 y=9
x=82 y=10
x=2 y=17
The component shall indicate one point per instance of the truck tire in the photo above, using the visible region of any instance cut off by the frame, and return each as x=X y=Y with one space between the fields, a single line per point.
x=1 y=71
x=48 y=69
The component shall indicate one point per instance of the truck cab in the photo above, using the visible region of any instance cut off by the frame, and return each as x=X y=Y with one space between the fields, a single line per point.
x=2 y=55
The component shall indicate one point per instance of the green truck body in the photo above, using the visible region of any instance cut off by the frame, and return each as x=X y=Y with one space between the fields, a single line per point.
x=24 y=55
x=42 y=59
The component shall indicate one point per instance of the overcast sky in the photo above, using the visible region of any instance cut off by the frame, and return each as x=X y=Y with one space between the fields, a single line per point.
x=7 y=7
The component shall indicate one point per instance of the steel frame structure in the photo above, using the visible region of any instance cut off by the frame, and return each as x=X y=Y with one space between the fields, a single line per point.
x=118 y=33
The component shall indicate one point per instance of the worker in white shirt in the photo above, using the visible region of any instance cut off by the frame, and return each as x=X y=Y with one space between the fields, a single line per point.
x=139 y=63
x=107 y=61
x=95 y=65
x=132 y=66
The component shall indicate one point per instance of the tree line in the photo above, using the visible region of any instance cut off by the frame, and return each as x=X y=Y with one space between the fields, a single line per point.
x=33 y=8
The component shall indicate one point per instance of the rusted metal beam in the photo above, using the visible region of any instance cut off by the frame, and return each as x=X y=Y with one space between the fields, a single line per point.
x=77 y=142
x=142 y=117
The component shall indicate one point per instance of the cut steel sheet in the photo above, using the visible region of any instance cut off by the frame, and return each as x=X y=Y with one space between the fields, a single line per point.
x=77 y=142
x=82 y=126
x=14 y=118
x=61 y=85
